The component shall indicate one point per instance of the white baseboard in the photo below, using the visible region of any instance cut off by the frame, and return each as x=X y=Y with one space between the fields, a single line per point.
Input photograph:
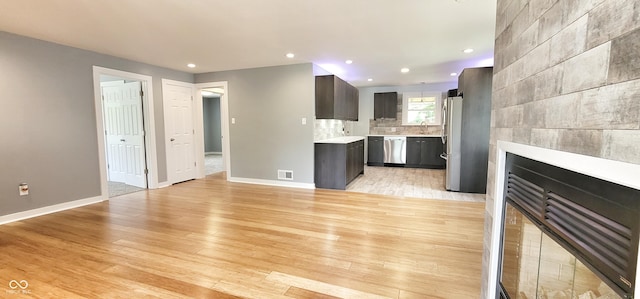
x=164 y=185
x=50 y=209
x=272 y=183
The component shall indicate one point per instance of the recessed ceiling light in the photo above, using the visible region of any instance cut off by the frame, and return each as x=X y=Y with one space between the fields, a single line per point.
x=349 y=61
x=370 y=79
x=191 y=65
x=290 y=55
x=468 y=50
x=453 y=74
x=404 y=70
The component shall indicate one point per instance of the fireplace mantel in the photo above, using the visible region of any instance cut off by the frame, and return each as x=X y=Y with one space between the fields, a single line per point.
x=621 y=173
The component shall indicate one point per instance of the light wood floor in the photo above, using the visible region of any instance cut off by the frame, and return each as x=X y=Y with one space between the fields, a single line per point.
x=213 y=239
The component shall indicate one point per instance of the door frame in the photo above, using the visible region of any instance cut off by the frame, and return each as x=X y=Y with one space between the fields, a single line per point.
x=149 y=125
x=199 y=125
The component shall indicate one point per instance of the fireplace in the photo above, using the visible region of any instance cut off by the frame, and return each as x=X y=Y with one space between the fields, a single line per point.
x=559 y=231
x=534 y=265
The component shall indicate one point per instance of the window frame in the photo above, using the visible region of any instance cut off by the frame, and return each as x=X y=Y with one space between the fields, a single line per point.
x=437 y=108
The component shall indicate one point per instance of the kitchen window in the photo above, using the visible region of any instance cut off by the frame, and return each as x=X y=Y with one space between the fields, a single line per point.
x=421 y=109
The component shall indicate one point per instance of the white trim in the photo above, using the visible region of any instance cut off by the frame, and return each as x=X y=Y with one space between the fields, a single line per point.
x=213 y=153
x=164 y=185
x=622 y=173
x=149 y=125
x=224 y=115
x=272 y=183
x=167 y=144
x=50 y=209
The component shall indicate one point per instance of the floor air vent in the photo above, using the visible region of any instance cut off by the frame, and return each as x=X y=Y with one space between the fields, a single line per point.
x=286 y=175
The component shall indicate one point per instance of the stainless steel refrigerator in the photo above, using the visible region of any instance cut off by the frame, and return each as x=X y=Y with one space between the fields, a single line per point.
x=452 y=113
x=466 y=131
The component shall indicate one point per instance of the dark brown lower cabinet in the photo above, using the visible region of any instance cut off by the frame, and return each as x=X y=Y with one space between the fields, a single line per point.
x=375 y=150
x=424 y=152
x=337 y=164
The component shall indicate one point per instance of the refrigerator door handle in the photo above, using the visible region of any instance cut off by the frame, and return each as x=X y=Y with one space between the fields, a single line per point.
x=443 y=132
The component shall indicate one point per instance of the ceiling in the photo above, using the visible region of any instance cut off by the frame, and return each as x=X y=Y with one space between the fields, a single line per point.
x=379 y=36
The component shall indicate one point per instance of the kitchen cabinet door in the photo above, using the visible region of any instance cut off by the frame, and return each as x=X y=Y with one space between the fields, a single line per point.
x=414 y=151
x=335 y=99
x=378 y=106
x=325 y=97
x=351 y=161
x=385 y=105
x=391 y=106
x=432 y=147
x=355 y=160
x=330 y=165
x=424 y=152
x=359 y=158
x=341 y=101
x=475 y=86
x=352 y=103
x=336 y=165
x=375 y=151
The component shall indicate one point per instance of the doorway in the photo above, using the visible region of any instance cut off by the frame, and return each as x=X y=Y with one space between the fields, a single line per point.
x=212 y=121
x=218 y=163
x=126 y=133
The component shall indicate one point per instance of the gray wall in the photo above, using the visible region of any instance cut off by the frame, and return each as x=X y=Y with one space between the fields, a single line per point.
x=48 y=123
x=566 y=77
x=212 y=125
x=268 y=105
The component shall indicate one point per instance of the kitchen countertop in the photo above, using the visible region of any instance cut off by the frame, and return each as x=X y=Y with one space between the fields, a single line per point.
x=341 y=140
x=405 y=136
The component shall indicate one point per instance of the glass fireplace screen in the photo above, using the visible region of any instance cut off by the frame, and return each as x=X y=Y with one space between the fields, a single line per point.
x=535 y=266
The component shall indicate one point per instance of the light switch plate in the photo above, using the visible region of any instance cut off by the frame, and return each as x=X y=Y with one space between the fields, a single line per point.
x=304 y=120
x=23 y=189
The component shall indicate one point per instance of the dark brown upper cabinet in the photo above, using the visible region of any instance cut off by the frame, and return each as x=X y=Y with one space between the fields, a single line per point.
x=336 y=99
x=385 y=105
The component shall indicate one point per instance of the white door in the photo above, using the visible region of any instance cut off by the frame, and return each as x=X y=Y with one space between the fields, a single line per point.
x=178 y=117
x=124 y=129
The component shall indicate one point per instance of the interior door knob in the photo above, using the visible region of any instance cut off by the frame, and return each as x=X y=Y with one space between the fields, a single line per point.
x=122 y=140
x=172 y=139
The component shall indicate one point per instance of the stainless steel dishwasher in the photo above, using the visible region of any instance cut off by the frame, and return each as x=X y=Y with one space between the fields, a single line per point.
x=395 y=149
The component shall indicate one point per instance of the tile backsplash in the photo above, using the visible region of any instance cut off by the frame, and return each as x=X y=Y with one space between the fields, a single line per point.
x=330 y=128
x=395 y=127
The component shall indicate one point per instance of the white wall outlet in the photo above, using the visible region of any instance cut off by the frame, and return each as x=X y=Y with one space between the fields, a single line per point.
x=23 y=189
x=233 y=120
x=304 y=120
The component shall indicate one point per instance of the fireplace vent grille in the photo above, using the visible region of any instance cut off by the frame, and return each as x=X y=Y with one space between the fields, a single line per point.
x=606 y=239
x=527 y=194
